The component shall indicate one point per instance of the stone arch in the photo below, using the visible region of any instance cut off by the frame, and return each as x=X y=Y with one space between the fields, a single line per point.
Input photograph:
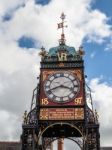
x=61 y=124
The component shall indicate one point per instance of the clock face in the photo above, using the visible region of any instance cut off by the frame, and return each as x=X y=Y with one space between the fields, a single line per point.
x=62 y=87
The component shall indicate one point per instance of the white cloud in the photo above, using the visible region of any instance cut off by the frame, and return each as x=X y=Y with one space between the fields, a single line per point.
x=109 y=45
x=92 y=55
x=102 y=98
x=9 y=5
x=41 y=22
x=18 y=71
x=10 y=122
x=19 y=67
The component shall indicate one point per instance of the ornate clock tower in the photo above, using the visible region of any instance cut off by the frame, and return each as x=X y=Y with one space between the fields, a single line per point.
x=60 y=108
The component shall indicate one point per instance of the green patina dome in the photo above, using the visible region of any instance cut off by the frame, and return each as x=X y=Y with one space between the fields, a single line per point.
x=62 y=47
x=61 y=53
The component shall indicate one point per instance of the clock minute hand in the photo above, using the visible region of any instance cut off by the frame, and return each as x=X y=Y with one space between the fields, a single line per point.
x=55 y=87
x=61 y=86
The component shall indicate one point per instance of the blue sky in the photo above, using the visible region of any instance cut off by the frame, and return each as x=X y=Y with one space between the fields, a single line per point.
x=26 y=26
x=103 y=59
x=104 y=6
x=101 y=56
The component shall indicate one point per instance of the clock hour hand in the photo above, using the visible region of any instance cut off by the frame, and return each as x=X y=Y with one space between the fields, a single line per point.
x=66 y=87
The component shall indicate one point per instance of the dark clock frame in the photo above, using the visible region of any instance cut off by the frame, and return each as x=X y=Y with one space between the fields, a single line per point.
x=78 y=100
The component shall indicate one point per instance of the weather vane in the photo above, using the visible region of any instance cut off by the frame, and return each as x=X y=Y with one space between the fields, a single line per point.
x=61 y=25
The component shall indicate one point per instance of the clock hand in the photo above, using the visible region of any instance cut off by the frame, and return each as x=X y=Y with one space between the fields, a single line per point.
x=66 y=81
x=63 y=86
x=67 y=85
x=71 y=88
x=56 y=82
x=55 y=87
x=75 y=85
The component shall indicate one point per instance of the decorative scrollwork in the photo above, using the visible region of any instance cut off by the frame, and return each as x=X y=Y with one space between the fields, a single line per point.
x=32 y=116
x=43 y=53
x=25 y=117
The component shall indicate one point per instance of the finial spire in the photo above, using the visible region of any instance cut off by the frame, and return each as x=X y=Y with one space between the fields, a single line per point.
x=61 y=25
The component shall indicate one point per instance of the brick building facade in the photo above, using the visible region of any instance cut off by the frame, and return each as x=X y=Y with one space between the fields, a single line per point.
x=17 y=146
x=10 y=146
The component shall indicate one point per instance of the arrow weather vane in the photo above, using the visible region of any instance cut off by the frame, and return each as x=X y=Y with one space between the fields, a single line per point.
x=61 y=25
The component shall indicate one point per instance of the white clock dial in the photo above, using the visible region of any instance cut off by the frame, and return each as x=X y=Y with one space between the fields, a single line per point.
x=62 y=87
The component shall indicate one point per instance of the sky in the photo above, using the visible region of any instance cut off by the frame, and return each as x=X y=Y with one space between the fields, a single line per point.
x=26 y=26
